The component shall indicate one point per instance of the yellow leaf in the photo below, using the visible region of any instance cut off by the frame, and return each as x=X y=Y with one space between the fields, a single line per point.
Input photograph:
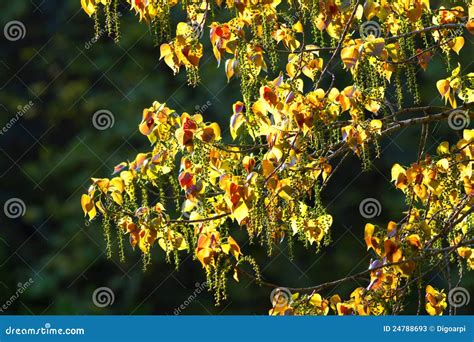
x=298 y=27
x=435 y=301
x=88 y=206
x=443 y=87
x=100 y=207
x=241 y=212
x=464 y=252
x=393 y=50
x=183 y=29
x=144 y=246
x=368 y=234
x=372 y=105
x=166 y=52
x=234 y=247
x=127 y=176
x=349 y=56
x=457 y=44
x=116 y=184
x=376 y=126
x=88 y=6
x=456 y=71
x=225 y=248
x=163 y=245
x=370 y=9
x=374 y=47
x=236 y=275
x=443 y=148
x=316 y=299
x=468 y=135
x=286 y=191
x=236 y=121
x=443 y=164
x=230 y=68
x=117 y=197
x=452 y=100
x=397 y=170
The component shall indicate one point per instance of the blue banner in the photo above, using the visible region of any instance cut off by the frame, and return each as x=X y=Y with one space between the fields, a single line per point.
x=236 y=328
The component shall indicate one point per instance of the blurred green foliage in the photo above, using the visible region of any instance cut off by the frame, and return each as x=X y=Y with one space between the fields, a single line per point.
x=49 y=154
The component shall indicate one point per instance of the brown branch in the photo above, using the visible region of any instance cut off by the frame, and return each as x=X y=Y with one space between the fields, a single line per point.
x=423 y=140
x=341 y=147
x=283 y=158
x=425 y=29
x=394 y=38
x=206 y=219
x=365 y=272
x=339 y=45
x=409 y=59
x=343 y=159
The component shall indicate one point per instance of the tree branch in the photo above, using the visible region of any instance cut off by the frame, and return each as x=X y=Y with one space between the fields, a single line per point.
x=322 y=286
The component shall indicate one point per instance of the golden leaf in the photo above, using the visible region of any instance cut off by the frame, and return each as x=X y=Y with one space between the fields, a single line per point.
x=88 y=206
x=88 y=6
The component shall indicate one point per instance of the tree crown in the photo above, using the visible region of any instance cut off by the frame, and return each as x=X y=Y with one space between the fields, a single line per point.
x=295 y=124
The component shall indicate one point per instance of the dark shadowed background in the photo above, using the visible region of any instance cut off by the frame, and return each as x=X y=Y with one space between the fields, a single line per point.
x=52 y=81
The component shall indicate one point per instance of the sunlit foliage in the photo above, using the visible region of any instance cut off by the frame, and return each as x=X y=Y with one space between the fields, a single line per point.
x=291 y=130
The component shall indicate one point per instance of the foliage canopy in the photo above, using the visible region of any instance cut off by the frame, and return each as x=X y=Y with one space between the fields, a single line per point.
x=293 y=128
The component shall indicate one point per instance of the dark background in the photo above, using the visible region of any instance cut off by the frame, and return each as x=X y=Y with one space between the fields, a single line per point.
x=50 y=153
